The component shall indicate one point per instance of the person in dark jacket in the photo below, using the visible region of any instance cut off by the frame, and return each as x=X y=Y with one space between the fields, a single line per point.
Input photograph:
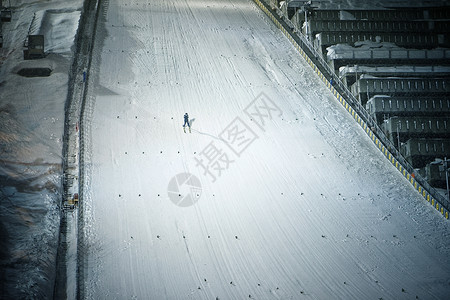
x=186 y=120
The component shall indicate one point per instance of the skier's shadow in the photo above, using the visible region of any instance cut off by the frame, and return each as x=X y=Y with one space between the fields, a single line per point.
x=204 y=133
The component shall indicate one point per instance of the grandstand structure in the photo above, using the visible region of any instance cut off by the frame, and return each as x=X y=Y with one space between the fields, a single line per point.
x=396 y=62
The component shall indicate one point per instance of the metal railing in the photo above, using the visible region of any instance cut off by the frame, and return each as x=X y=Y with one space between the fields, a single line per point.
x=342 y=89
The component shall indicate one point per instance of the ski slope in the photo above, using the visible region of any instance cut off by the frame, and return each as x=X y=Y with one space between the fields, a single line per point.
x=293 y=202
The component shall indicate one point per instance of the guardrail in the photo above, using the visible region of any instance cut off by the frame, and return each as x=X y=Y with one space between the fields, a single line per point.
x=352 y=105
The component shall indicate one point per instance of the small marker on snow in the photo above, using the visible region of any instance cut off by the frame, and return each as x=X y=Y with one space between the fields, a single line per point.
x=236 y=236
x=158 y=236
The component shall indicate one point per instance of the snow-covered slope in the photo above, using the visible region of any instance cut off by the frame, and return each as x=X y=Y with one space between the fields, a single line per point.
x=31 y=141
x=289 y=213
x=304 y=207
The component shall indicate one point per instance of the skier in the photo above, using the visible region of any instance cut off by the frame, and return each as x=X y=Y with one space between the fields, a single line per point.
x=186 y=121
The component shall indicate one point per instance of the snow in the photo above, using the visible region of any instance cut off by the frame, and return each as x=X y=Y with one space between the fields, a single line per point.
x=31 y=129
x=310 y=208
x=345 y=15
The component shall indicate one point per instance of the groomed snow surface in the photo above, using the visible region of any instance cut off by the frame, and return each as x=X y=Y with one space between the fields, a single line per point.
x=298 y=205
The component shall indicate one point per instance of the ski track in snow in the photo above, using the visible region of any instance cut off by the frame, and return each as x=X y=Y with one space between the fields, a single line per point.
x=310 y=210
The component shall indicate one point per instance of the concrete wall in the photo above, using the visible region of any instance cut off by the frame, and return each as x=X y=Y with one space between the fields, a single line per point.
x=420 y=152
x=408 y=105
x=368 y=87
x=420 y=127
x=416 y=40
x=356 y=26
